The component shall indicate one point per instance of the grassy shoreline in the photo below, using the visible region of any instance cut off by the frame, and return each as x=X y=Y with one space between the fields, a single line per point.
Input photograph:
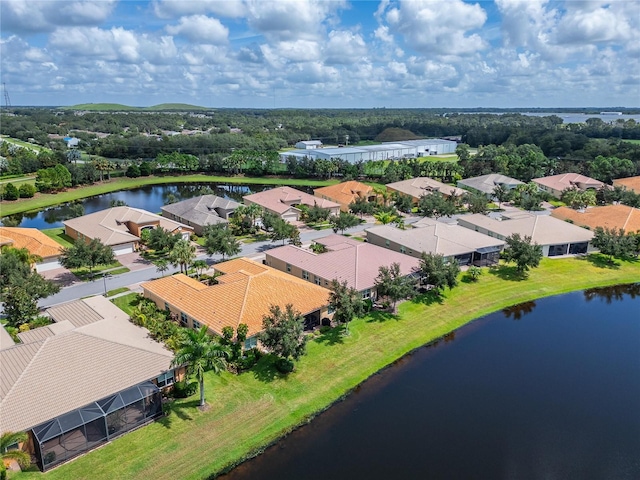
x=44 y=200
x=253 y=410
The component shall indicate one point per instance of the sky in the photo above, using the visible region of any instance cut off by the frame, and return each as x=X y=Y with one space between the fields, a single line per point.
x=322 y=54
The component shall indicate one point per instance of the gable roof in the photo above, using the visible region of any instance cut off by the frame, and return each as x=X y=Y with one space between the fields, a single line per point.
x=543 y=229
x=609 y=216
x=281 y=199
x=202 y=210
x=110 y=225
x=435 y=237
x=486 y=183
x=243 y=294
x=568 y=180
x=630 y=183
x=348 y=260
x=32 y=239
x=47 y=377
x=345 y=192
x=419 y=186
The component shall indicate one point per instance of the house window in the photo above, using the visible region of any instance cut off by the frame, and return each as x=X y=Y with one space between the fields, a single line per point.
x=403 y=250
x=166 y=379
x=305 y=275
x=318 y=280
x=166 y=306
x=183 y=319
x=366 y=293
x=251 y=342
x=578 y=248
x=288 y=267
x=386 y=243
x=196 y=325
x=330 y=310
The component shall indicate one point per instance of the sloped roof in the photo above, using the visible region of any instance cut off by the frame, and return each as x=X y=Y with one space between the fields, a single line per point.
x=486 y=183
x=110 y=225
x=348 y=260
x=345 y=192
x=201 y=210
x=280 y=199
x=32 y=239
x=630 y=183
x=244 y=294
x=54 y=375
x=543 y=229
x=567 y=180
x=419 y=186
x=609 y=216
x=435 y=237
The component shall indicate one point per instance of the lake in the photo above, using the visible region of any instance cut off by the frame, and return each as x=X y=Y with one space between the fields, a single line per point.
x=545 y=390
x=149 y=197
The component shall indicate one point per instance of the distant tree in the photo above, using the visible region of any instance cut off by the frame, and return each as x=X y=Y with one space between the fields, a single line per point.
x=346 y=302
x=477 y=203
x=391 y=283
x=160 y=239
x=145 y=169
x=435 y=205
x=162 y=265
x=200 y=266
x=438 y=272
x=87 y=254
x=200 y=352
x=133 y=171
x=283 y=230
x=462 y=150
x=268 y=220
x=117 y=203
x=385 y=217
x=10 y=192
x=283 y=332
x=343 y=221
x=317 y=214
x=578 y=199
x=501 y=194
x=522 y=252
x=362 y=207
x=615 y=243
x=404 y=203
x=219 y=239
x=182 y=254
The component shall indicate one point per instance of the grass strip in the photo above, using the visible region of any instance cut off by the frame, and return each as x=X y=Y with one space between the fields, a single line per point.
x=59 y=236
x=44 y=200
x=255 y=408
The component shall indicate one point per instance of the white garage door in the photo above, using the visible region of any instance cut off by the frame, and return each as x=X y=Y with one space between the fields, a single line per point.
x=123 y=249
x=290 y=216
x=47 y=265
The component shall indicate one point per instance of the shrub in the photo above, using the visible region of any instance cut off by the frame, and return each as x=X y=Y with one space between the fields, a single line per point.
x=27 y=190
x=284 y=365
x=249 y=359
x=133 y=171
x=10 y=192
x=183 y=389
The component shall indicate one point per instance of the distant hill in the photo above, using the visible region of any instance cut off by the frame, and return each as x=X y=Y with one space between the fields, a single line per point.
x=116 y=107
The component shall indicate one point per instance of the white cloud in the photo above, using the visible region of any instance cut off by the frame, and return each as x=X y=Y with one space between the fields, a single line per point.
x=200 y=28
x=438 y=27
x=178 y=8
x=344 y=47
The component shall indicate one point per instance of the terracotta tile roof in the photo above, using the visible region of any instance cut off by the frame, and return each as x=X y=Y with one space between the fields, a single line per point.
x=32 y=239
x=348 y=260
x=281 y=199
x=419 y=186
x=61 y=372
x=246 y=291
x=110 y=225
x=567 y=180
x=630 y=183
x=345 y=192
x=610 y=216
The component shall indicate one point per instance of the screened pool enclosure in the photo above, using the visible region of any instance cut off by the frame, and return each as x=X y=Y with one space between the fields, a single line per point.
x=87 y=427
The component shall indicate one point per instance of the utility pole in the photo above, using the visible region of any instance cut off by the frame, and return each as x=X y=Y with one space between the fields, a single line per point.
x=7 y=101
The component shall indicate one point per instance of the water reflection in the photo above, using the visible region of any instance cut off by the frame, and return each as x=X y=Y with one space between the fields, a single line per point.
x=519 y=311
x=609 y=294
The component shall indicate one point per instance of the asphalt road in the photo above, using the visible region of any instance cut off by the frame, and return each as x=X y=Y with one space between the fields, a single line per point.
x=132 y=279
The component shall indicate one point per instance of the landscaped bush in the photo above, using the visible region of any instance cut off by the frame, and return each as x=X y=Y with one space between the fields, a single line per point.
x=27 y=190
x=249 y=359
x=183 y=389
x=284 y=365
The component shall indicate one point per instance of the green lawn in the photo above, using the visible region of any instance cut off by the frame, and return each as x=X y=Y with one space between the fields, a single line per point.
x=59 y=236
x=31 y=146
x=637 y=142
x=253 y=409
x=126 y=302
x=43 y=200
x=99 y=271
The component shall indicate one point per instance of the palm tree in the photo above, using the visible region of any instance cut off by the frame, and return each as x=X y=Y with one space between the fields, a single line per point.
x=385 y=217
x=200 y=352
x=182 y=254
x=11 y=438
x=161 y=266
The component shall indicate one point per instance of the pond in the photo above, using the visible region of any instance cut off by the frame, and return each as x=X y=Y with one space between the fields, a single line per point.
x=549 y=389
x=150 y=198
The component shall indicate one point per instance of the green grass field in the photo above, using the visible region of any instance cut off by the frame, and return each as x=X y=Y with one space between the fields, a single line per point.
x=44 y=200
x=31 y=146
x=59 y=236
x=255 y=408
x=636 y=142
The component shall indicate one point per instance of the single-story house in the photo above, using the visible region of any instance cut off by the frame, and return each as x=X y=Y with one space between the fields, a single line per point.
x=309 y=144
x=556 y=184
x=82 y=381
x=282 y=201
x=609 y=216
x=453 y=242
x=201 y=211
x=36 y=242
x=555 y=236
x=121 y=227
x=345 y=259
x=487 y=183
x=244 y=293
x=630 y=183
x=419 y=186
x=346 y=193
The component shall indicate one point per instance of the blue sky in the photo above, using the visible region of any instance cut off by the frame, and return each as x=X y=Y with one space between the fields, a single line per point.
x=322 y=54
